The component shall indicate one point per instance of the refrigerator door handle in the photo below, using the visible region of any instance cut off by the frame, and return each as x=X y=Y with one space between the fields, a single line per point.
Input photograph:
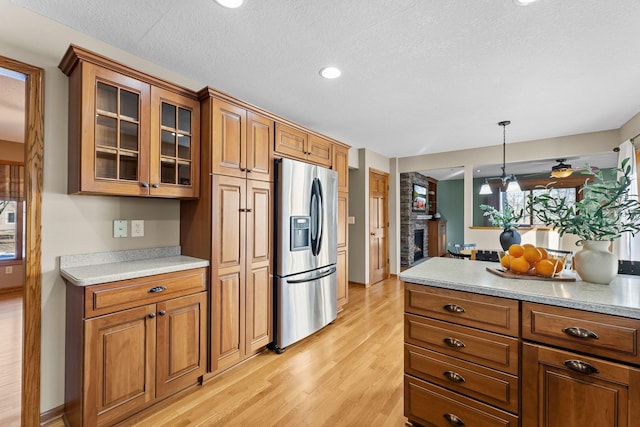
x=316 y=277
x=317 y=216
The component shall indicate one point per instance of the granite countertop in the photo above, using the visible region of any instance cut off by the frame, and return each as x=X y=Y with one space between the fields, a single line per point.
x=104 y=267
x=621 y=297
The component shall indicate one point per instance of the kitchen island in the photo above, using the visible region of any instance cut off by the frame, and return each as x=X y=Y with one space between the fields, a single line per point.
x=487 y=350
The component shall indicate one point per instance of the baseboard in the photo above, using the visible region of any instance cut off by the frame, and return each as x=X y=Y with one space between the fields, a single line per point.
x=55 y=415
x=364 y=285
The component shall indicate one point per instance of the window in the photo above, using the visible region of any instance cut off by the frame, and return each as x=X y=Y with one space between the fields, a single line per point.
x=518 y=200
x=11 y=230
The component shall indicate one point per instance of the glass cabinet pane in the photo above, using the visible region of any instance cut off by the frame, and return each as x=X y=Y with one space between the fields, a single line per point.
x=184 y=120
x=129 y=166
x=184 y=146
x=168 y=171
x=106 y=131
x=184 y=173
x=107 y=98
x=168 y=115
x=129 y=104
x=106 y=164
x=129 y=136
x=168 y=141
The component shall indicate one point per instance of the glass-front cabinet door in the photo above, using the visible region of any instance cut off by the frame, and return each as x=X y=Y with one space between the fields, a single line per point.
x=175 y=144
x=115 y=137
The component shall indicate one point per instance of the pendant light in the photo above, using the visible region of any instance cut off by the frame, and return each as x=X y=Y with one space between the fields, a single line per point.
x=510 y=181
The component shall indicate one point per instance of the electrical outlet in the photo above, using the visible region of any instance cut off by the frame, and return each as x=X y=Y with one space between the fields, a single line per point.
x=8 y=270
x=120 y=228
x=137 y=228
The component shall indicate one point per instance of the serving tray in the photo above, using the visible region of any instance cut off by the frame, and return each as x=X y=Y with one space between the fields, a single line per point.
x=509 y=275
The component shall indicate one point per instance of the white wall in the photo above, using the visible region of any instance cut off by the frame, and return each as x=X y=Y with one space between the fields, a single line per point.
x=74 y=224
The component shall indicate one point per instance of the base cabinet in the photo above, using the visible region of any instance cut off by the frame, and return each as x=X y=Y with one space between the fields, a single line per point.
x=436 y=237
x=120 y=362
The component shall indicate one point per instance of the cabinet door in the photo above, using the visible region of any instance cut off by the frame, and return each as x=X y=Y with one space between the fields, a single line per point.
x=604 y=394
x=343 y=212
x=228 y=273
x=259 y=143
x=259 y=285
x=108 y=133
x=290 y=142
x=180 y=343
x=119 y=374
x=229 y=135
x=341 y=165
x=342 y=278
x=174 y=162
x=319 y=151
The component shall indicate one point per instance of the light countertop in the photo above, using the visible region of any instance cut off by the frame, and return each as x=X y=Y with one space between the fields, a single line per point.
x=104 y=267
x=621 y=297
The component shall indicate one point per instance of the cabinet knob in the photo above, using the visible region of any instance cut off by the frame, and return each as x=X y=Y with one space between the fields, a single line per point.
x=248 y=170
x=144 y=184
x=454 y=420
x=574 y=331
x=152 y=315
x=580 y=366
x=162 y=312
x=243 y=169
x=157 y=289
x=454 y=308
x=453 y=377
x=155 y=185
x=454 y=342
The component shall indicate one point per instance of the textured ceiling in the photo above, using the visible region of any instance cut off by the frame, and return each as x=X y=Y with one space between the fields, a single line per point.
x=419 y=76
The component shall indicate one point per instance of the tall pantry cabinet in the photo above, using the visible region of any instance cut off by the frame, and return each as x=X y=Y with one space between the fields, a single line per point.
x=231 y=225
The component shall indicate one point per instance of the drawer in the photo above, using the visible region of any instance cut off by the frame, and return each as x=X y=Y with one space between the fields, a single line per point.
x=599 y=334
x=430 y=405
x=479 y=311
x=484 y=348
x=115 y=296
x=488 y=385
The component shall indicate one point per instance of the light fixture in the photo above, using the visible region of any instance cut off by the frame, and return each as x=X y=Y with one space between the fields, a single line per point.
x=561 y=170
x=231 y=4
x=330 y=72
x=524 y=2
x=486 y=188
x=510 y=179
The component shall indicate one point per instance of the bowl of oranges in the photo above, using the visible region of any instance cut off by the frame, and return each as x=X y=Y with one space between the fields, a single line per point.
x=532 y=260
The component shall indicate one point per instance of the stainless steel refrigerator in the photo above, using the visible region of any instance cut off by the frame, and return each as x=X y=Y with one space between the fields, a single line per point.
x=305 y=256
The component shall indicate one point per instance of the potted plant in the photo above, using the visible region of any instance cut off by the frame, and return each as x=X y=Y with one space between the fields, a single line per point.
x=506 y=219
x=605 y=211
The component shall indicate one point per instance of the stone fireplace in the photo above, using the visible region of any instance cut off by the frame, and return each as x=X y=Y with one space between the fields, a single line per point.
x=413 y=225
x=418 y=245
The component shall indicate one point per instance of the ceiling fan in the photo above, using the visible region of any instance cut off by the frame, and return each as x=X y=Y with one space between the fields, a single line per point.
x=561 y=170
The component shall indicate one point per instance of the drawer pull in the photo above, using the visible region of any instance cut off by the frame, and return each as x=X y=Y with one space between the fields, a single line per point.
x=580 y=366
x=162 y=312
x=454 y=342
x=454 y=420
x=454 y=308
x=454 y=377
x=157 y=289
x=152 y=315
x=574 y=331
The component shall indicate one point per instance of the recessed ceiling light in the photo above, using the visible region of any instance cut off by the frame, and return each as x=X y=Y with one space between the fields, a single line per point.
x=524 y=2
x=330 y=72
x=231 y=4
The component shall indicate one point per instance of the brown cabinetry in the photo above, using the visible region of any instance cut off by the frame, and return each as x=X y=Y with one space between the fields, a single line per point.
x=436 y=237
x=241 y=139
x=461 y=358
x=121 y=359
x=129 y=133
x=297 y=144
x=575 y=385
x=343 y=245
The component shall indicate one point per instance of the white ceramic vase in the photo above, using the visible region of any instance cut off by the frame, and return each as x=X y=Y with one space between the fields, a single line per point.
x=595 y=263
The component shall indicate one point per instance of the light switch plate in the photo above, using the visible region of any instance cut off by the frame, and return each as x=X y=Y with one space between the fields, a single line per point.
x=137 y=228
x=120 y=228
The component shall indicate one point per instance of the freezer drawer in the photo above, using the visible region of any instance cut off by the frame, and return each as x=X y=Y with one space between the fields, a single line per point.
x=305 y=303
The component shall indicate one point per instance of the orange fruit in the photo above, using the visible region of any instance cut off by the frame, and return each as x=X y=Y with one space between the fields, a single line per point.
x=528 y=245
x=545 y=267
x=532 y=255
x=543 y=252
x=519 y=265
x=516 y=250
x=506 y=260
x=559 y=265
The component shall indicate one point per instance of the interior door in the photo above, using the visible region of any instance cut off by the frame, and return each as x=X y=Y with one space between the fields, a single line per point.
x=378 y=226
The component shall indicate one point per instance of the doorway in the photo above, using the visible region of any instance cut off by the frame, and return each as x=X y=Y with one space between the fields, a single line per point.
x=32 y=199
x=378 y=226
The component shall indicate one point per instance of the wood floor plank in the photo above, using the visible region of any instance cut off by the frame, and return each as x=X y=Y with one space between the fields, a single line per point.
x=10 y=358
x=348 y=374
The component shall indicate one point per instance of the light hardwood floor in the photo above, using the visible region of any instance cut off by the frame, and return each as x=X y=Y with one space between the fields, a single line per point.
x=10 y=358
x=348 y=374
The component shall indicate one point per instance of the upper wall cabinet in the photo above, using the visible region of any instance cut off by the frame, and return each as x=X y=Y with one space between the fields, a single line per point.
x=130 y=134
x=241 y=139
x=291 y=142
